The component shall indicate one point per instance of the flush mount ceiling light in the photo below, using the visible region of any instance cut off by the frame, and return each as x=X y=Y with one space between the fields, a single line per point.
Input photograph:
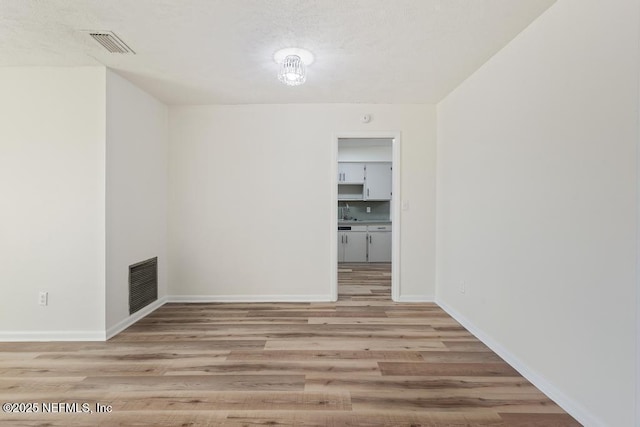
x=293 y=62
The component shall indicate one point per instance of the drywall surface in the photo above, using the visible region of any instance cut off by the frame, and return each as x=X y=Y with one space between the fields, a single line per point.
x=136 y=191
x=52 y=169
x=250 y=197
x=537 y=208
x=365 y=154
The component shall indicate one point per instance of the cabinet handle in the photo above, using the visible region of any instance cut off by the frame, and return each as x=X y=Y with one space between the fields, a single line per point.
x=367 y=192
x=369 y=238
x=346 y=238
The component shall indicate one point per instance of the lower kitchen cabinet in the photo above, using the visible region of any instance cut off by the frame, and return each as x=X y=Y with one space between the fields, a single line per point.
x=365 y=244
x=352 y=246
x=379 y=246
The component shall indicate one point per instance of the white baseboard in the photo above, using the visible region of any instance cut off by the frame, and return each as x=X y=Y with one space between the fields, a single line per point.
x=576 y=410
x=125 y=323
x=249 y=298
x=24 y=336
x=415 y=298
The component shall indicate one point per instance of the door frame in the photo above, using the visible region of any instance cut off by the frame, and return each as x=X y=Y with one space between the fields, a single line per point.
x=395 y=137
x=637 y=409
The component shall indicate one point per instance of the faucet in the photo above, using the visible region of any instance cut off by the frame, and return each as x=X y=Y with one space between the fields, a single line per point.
x=345 y=212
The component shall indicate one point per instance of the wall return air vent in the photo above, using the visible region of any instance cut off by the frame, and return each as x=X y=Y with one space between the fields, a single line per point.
x=143 y=284
x=110 y=41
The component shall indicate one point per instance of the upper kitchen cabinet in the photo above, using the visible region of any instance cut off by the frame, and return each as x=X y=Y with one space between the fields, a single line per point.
x=351 y=173
x=378 y=181
x=364 y=181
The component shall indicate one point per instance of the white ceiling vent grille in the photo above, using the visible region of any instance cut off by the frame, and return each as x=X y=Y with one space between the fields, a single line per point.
x=111 y=42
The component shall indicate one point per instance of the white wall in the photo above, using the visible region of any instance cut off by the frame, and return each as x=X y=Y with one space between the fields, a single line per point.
x=136 y=209
x=250 y=198
x=536 y=209
x=52 y=180
x=364 y=153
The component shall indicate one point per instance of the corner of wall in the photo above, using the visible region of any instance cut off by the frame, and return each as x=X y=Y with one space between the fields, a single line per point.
x=136 y=176
x=126 y=322
x=578 y=411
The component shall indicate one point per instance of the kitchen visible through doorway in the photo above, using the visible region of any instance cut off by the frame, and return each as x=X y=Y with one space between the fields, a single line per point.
x=365 y=218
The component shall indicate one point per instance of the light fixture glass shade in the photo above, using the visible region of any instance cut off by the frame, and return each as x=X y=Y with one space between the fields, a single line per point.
x=292 y=71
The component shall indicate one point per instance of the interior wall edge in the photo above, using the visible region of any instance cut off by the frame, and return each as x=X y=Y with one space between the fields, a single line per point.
x=574 y=408
x=135 y=317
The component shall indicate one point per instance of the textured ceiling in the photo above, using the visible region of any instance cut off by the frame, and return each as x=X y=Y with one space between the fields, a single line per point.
x=220 y=51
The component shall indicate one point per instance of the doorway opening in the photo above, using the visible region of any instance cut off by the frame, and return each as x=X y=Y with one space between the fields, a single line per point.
x=366 y=225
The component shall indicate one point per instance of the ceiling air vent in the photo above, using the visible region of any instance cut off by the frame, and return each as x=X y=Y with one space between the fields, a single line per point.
x=111 y=42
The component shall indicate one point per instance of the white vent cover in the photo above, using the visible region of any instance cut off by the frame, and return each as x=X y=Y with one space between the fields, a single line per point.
x=110 y=41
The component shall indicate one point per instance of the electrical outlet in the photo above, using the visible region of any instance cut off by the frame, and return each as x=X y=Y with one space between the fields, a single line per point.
x=462 y=288
x=368 y=209
x=43 y=298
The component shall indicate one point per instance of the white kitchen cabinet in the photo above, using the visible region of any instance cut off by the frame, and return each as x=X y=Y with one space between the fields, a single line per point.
x=379 y=246
x=352 y=245
x=350 y=173
x=378 y=181
x=371 y=243
x=355 y=247
x=364 y=181
x=340 y=246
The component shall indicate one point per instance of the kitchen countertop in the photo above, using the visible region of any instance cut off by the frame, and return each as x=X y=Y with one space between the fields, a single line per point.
x=364 y=222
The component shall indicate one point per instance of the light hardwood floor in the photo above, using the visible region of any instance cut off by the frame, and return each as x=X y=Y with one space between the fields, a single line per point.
x=363 y=361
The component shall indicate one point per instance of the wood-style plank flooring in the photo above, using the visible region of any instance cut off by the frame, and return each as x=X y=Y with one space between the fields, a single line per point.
x=363 y=361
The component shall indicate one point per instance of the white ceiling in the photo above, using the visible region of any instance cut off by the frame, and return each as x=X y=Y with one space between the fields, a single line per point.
x=220 y=51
